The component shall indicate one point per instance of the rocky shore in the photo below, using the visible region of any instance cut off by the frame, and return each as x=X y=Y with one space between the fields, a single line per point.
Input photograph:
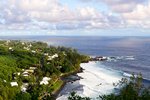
x=98 y=58
x=67 y=78
x=111 y=58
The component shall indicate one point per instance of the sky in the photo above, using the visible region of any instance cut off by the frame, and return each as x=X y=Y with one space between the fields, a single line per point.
x=75 y=17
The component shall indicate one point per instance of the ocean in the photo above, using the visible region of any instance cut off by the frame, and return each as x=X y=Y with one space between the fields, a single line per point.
x=132 y=56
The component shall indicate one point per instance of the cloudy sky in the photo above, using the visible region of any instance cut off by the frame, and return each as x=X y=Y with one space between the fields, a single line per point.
x=75 y=17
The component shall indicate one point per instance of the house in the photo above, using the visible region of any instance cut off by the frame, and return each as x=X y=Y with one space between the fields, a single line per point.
x=25 y=73
x=23 y=43
x=13 y=84
x=30 y=45
x=10 y=48
x=48 y=62
x=59 y=67
x=32 y=68
x=52 y=57
x=49 y=58
x=26 y=48
x=55 y=55
x=24 y=87
x=29 y=71
x=18 y=73
x=33 y=51
x=45 y=54
x=45 y=80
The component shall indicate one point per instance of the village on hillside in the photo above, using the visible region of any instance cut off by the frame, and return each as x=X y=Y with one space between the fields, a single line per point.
x=35 y=67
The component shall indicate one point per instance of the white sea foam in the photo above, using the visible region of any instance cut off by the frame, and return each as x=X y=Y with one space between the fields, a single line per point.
x=97 y=80
x=127 y=74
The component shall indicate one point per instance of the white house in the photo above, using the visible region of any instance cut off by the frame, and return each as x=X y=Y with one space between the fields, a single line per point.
x=13 y=83
x=25 y=73
x=45 y=54
x=55 y=55
x=24 y=87
x=33 y=68
x=30 y=70
x=10 y=48
x=49 y=58
x=33 y=51
x=30 y=45
x=45 y=80
x=26 y=48
x=52 y=57
x=18 y=73
x=22 y=43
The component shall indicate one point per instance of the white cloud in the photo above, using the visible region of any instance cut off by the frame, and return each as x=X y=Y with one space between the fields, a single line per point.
x=139 y=17
x=53 y=15
x=119 y=6
x=133 y=13
x=50 y=13
x=122 y=6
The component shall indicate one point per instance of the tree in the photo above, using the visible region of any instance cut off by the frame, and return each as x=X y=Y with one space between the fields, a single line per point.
x=23 y=96
x=74 y=96
x=132 y=89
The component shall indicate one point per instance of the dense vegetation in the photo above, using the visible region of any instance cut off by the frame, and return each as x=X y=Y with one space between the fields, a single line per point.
x=130 y=89
x=26 y=63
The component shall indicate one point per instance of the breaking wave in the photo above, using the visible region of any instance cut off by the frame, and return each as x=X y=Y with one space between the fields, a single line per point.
x=97 y=79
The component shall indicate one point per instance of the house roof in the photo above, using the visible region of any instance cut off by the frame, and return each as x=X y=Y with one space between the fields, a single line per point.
x=14 y=83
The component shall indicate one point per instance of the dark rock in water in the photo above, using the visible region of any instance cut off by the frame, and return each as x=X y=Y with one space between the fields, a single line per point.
x=112 y=57
x=99 y=58
x=70 y=87
x=72 y=78
x=81 y=69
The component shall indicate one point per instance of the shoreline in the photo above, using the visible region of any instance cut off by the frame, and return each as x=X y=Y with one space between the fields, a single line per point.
x=65 y=78
x=100 y=72
x=91 y=83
